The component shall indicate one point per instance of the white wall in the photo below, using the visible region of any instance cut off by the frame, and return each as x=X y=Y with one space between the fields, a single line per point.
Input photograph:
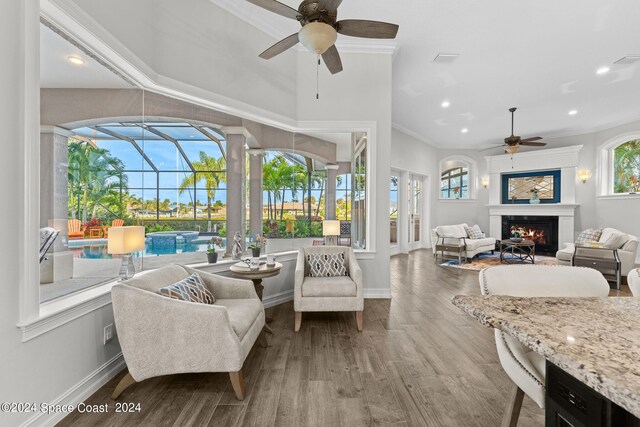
x=362 y=92
x=194 y=45
x=41 y=369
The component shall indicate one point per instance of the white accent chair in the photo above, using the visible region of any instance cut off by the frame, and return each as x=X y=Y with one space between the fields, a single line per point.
x=456 y=235
x=633 y=280
x=627 y=247
x=164 y=336
x=341 y=293
x=525 y=367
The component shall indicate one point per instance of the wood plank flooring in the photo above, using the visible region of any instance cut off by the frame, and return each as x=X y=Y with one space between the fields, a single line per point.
x=419 y=362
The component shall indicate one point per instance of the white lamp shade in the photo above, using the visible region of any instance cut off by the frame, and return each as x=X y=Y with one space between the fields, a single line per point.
x=317 y=37
x=331 y=227
x=124 y=240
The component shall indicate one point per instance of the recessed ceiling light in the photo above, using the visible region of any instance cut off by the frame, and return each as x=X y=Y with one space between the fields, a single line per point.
x=464 y=130
x=75 y=60
x=602 y=70
x=445 y=104
x=573 y=112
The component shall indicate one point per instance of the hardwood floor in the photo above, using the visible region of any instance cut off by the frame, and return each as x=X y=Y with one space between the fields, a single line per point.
x=419 y=362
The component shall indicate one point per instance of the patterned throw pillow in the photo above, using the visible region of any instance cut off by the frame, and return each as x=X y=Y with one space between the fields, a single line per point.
x=474 y=232
x=190 y=289
x=589 y=235
x=326 y=264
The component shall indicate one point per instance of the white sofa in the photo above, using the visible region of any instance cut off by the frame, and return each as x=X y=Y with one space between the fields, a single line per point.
x=164 y=336
x=627 y=247
x=456 y=235
x=525 y=367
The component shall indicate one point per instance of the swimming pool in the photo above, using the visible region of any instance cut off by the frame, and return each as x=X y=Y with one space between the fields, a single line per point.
x=97 y=249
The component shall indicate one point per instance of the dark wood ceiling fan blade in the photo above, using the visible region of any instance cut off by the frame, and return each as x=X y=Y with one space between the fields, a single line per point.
x=533 y=138
x=533 y=144
x=332 y=60
x=277 y=7
x=281 y=46
x=367 y=29
x=330 y=6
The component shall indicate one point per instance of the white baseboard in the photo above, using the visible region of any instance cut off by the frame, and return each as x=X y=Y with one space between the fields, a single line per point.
x=276 y=299
x=377 y=293
x=79 y=392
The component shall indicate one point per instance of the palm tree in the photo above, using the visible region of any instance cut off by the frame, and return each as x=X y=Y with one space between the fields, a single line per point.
x=210 y=171
x=92 y=174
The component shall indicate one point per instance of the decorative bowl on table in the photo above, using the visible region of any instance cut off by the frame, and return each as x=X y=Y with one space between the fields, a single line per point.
x=516 y=239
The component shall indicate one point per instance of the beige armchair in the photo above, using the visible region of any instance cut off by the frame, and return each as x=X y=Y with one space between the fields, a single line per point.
x=341 y=293
x=163 y=336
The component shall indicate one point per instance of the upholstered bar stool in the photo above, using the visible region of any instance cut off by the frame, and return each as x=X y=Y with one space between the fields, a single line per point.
x=525 y=367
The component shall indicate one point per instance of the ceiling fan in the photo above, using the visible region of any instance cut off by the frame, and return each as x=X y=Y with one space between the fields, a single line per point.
x=320 y=29
x=512 y=143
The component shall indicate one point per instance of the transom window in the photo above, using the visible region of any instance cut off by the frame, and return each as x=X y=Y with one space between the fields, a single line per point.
x=454 y=183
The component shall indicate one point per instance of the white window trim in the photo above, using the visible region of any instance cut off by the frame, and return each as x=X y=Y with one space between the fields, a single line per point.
x=472 y=167
x=605 y=165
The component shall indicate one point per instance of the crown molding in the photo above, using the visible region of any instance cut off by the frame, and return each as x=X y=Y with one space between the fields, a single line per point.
x=279 y=29
x=415 y=135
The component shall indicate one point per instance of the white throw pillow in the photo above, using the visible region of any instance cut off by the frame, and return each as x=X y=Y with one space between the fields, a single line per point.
x=612 y=238
x=474 y=232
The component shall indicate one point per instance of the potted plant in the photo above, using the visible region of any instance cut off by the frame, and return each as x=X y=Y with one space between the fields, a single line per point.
x=212 y=254
x=516 y=234
x=257 y=245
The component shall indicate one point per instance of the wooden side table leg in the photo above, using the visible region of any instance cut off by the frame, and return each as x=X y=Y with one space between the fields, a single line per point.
x=257 y=283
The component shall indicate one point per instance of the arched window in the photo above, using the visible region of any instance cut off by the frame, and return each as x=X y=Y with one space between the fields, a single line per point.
x=619 y=163
x=454 y=183
x=457 y=178
x=626 y=167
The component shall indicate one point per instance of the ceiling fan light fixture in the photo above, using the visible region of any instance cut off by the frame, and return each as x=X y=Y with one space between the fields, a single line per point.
x=317 y=37
x=512 y=149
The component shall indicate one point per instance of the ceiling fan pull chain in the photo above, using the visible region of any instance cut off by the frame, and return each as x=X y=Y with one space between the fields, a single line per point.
x=318 y=79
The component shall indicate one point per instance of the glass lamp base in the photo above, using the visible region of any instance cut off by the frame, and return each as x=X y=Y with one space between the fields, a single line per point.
x=127 y=270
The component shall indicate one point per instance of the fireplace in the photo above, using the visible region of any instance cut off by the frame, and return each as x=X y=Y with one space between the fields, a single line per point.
x=543 y=230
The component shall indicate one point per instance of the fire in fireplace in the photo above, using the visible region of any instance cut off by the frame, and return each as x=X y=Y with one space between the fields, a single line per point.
x=543 y=230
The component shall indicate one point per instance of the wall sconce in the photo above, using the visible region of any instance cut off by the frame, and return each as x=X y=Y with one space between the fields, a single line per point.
x=584 y=175
x=485 y=182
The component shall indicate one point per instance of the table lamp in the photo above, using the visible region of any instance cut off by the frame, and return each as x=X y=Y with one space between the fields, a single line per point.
x=123 y=241
x=331 y=231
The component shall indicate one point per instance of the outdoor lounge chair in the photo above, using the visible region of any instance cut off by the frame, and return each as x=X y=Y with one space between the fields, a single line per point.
x=76 y=230
x=114 y=223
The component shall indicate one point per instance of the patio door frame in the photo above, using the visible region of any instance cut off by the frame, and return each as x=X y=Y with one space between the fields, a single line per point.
x=404 y=245
x=415 y=242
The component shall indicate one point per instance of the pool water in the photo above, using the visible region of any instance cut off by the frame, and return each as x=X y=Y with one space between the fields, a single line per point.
x=97 y=249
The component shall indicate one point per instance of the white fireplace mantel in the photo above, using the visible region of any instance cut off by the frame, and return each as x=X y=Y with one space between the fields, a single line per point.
x=564 y=159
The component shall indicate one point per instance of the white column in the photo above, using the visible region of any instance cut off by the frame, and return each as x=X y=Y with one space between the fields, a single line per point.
x=256 y=158
x=54 y=169
x=330 y=192
x=403 y=213
x=236 y=193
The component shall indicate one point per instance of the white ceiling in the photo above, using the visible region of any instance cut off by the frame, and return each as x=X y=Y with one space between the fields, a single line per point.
x=540 y=56
x=56 y=71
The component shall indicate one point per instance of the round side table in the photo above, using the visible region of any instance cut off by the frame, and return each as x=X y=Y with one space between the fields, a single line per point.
x=256 y=277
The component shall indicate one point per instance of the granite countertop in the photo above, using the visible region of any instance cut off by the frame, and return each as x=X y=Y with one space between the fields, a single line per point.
x=596 y=340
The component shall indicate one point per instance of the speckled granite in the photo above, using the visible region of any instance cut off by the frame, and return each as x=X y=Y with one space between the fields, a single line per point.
x=596 y=340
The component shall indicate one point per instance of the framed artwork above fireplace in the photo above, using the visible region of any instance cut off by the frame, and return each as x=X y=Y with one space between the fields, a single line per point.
x=520 y=188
